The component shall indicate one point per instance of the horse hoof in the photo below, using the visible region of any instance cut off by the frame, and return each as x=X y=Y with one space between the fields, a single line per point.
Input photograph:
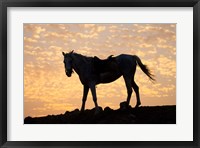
x=124 y=105
x=137 y=105
x=81 y=112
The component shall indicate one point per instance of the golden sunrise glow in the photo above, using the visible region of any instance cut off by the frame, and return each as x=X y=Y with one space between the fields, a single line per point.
x=47 y=89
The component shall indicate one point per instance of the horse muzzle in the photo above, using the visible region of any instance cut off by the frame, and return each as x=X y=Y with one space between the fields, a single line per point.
x=69 y=73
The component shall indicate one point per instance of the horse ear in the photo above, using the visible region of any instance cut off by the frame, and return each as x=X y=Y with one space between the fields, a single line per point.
x=63 y=53
x=72 y=51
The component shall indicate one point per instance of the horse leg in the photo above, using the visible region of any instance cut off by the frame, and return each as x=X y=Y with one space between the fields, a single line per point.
x=129 y=89
x=136 y=89
x=93 y=90
x=85 y=93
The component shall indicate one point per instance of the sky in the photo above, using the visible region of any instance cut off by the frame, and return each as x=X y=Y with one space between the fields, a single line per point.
x=47 y=89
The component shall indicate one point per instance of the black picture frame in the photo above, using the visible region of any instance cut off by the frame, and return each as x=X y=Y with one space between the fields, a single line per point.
x=4 y=4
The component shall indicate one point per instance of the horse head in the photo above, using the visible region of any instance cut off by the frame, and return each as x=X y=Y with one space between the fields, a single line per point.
x=68 y=63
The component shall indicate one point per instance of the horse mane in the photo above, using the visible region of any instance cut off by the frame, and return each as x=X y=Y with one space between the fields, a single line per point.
x=80 y=55
x=88 y=58
x=83 y=57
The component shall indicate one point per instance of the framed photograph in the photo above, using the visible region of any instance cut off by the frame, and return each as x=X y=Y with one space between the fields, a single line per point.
x=104 y=73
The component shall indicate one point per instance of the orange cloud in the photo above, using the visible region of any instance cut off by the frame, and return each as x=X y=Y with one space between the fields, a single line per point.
x=29 y=40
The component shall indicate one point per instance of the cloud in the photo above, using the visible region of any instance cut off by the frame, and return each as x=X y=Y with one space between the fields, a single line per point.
x=74 y=40
x=145 y=45
x=161 y=40
x=30 y=40
x=113 y=27
x=87 y=36
x=62 y=26
x=166 y=66
x=30 y=65
x=38 y=30
x=36 y=36
x=55 y=48
x=101 y=28
x=89 y=25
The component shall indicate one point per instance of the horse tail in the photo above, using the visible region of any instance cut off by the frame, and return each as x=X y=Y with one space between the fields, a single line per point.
x=144 y=68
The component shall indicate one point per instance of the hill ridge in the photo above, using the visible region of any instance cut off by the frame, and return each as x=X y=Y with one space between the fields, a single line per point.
x=142 y=115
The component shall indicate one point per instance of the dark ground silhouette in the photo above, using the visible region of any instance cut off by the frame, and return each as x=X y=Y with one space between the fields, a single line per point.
x=141 y=115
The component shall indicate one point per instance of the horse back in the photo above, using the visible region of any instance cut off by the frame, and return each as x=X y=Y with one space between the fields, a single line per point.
x=101 y=66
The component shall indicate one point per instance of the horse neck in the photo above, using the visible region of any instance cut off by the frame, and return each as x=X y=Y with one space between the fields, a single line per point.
x=79 y=62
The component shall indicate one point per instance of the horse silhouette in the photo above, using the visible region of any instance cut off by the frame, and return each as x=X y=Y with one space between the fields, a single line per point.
x=93 y=71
